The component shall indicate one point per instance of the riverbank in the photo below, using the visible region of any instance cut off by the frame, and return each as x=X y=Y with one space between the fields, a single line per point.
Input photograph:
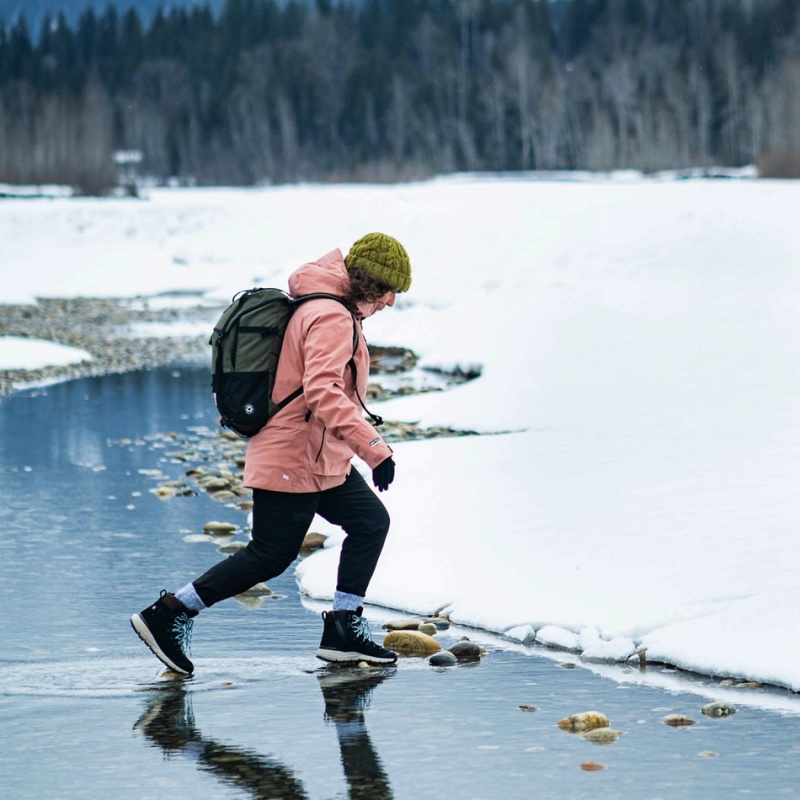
x=103 y=328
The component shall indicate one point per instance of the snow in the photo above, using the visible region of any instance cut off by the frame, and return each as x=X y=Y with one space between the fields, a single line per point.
x=639 y=348
x=20 y=353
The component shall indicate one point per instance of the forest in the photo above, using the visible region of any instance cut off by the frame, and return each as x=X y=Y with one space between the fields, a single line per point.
x=386 y=90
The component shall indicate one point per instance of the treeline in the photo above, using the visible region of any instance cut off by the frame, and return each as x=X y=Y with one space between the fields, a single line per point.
x=394 y=89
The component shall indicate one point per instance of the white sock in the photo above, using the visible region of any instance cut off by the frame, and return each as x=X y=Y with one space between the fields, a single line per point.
x=342 y=601
x=189 y=597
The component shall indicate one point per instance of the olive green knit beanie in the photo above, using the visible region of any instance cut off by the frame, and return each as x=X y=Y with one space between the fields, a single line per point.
x=382 y=258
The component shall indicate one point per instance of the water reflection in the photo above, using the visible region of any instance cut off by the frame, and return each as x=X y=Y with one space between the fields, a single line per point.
x=168 y=723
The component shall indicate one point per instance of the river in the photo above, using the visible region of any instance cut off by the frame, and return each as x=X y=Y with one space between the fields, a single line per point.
x=86 y=710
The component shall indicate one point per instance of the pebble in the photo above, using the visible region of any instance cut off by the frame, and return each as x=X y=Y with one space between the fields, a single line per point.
x=678 y=721
x=464 y=650
x=225 y=497
x=528 y=708
x=444 y=658
x=429 y=628
x=601 y=736
x=230 y=549
x=411 y=643
x=719 y=709
x=405 y=624
x=591 y=766
x=441 y=623
x=312 y=541
x=584 y=721
x=219 y=527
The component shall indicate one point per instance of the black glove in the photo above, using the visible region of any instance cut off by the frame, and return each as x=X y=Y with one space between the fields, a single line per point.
x=383 y=474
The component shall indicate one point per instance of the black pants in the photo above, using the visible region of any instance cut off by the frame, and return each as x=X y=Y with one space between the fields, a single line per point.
x=280 y=523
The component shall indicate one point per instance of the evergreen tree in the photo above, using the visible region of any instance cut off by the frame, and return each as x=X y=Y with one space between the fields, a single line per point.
x=381 y=89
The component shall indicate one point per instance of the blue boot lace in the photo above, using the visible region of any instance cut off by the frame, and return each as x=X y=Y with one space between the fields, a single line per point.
x=182 y=631
x=360 y=628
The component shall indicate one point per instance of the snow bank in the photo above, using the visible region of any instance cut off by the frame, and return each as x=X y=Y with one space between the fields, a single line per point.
x=19 y=353
x=639 y=349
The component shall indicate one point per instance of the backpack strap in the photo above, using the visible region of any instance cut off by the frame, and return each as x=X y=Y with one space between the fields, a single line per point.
x=376 y=420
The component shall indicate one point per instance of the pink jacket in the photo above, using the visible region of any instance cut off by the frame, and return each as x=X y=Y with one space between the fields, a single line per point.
x=308 y=445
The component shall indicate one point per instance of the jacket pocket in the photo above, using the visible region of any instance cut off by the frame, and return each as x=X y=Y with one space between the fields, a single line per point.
x=316 y=441
x=321 y=445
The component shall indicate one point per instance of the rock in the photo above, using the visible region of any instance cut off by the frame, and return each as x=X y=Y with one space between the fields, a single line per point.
x=601 y=736
x=219 y=527
x=407 y=624
x=411 y=643
x=225 y=496
x=312 y=541
x=465 y=650
x=528 y=708
x=584 y=721
x=181 y=489
x=441 y=623
x=591 y=766
x=230 y=549
x=443 y=659
x=164 y=492
x=428 y=627
x=678 y=721
x=213 y=485
x=719 y=709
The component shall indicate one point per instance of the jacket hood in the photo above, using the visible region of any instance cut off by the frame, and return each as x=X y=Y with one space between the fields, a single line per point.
x=323 y=275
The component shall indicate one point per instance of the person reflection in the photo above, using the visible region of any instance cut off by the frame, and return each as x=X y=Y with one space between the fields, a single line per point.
x=168 y=723
x=347 y=693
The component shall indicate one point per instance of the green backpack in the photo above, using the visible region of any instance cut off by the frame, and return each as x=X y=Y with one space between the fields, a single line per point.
x=246 y=345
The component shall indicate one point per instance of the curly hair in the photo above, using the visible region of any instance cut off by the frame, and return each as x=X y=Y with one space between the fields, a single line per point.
x=360 y=288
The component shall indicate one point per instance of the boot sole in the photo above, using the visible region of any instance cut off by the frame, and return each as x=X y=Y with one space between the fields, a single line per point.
x=352 y=657
x=138 y=624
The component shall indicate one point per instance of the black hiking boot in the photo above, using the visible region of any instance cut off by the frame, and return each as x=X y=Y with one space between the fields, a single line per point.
x=346 y=639
x=166 y=627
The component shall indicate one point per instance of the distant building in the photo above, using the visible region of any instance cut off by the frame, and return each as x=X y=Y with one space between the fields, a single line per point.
x=127 y=162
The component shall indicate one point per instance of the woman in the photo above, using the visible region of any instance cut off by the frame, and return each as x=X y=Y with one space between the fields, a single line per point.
x=299 y=464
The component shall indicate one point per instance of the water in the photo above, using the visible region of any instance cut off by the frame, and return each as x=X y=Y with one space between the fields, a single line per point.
x=85 y=710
